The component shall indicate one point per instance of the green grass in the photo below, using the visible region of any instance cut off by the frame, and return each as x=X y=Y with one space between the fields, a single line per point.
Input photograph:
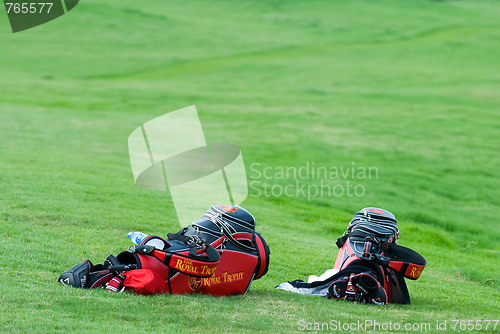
x=410 y=88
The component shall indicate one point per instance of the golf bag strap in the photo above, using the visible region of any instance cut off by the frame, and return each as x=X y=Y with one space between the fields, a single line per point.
x=195 y=243
x=403 y=260
x=189 y=240
x=187 y=265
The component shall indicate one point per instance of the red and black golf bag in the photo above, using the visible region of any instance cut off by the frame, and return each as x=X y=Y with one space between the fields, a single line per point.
x=370 y=266
x=219 y=254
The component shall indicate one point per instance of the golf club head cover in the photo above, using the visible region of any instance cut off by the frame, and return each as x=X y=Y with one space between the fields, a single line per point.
x=368 y=285
x=76 y=276
x=86 y=275
x=116 y=284
x=338 y=288
x=361 y=288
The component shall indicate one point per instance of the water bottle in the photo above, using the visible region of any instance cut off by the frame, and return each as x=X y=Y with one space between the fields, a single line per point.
x=137 y=238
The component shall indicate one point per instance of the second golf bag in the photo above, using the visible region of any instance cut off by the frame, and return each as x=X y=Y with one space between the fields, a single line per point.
x=219 y=254
x=370 y=266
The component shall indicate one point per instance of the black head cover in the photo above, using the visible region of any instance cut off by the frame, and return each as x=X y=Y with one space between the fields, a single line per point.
x=76 y=276
x=86 y=275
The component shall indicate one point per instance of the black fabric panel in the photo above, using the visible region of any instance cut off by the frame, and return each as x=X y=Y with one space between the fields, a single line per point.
x=399 y=290
x=405 y=254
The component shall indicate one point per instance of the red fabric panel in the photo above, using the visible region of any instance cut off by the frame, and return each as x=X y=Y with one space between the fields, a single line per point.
x=414 y=271
x=144 y=282
x=396 y=265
